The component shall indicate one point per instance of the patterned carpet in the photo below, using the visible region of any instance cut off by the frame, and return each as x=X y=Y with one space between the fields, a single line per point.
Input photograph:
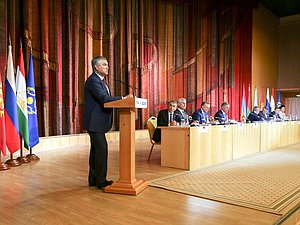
x=268 y=181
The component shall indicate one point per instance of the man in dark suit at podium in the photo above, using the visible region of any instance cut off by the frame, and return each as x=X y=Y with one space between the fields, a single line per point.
x=221 y=115
x=166 y=117
x=97 y=120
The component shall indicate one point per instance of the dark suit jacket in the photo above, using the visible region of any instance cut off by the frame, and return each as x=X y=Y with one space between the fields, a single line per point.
x=183 y=116
x=96 y=118
x=253 y=117
x=274 y=115
x=220 y=116
x=180 y=115
x=201 y=116
x=264 y=117
x=163 y=120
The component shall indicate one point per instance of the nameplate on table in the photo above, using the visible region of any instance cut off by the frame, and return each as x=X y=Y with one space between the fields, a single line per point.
x=241 y=126
x=283 y=123
x=203 y=129
x=224 y=128
x=255 y=125
x=293 y=123
x=140 y=103
x=272 y=124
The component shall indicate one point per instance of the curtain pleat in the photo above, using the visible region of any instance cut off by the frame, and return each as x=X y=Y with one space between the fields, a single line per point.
x=199 y=50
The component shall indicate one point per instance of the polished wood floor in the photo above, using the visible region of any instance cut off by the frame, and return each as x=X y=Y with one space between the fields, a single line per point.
x=54 y=191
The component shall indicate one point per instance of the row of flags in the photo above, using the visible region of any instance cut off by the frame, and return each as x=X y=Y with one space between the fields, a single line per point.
x=18 y=114
x=269 y=101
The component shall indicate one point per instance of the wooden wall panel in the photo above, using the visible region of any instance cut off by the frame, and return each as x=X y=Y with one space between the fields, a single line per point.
x=265 y=46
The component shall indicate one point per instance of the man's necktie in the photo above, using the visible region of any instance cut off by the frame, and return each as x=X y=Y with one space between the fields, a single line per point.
x=206 y=118
x=106 y=86
x=184 y=114
x=171 y=117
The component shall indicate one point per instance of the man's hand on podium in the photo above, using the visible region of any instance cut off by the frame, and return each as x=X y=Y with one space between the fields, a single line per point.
x=128 y=96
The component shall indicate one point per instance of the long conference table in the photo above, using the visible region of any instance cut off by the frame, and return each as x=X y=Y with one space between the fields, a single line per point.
x=195 y=147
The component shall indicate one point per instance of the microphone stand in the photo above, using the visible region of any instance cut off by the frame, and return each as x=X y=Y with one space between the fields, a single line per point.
x=133 y=88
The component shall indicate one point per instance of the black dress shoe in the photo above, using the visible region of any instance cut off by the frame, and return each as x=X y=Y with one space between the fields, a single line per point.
x=105 y=184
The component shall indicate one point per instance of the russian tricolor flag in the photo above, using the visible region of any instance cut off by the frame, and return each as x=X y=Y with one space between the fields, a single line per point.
x=268 y=99
x=10 y=105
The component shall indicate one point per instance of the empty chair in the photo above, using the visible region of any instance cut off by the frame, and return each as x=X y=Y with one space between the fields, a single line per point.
x=151 y=125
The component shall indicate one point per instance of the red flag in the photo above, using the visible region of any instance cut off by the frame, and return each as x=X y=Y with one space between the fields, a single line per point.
x=262 y=99
x=2 y=123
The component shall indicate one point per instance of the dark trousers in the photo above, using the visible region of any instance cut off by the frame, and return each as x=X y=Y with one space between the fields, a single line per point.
x=98 y=158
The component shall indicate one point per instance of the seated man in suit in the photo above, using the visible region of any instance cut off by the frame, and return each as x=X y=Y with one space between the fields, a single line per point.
x=264 y=114
x=253 y=116
x=282 y=112
x=276 y=114
x=201 y=115
x=166 y=117
x=221 y=115
x=180 y=111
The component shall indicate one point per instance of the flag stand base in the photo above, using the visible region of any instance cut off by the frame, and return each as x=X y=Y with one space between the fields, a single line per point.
x=23 y=159
x=32 y=157
x=4 y=166
x=13 y=163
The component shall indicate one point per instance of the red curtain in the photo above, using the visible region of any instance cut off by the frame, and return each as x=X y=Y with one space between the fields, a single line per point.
x=200 y=50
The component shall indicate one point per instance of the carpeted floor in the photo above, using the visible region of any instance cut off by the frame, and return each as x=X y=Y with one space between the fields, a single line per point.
x=268 y=181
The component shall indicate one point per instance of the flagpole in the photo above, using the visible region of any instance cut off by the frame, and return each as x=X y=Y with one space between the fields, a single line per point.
x=31 y=156
x=32 y=118
x=3 y=165
x=22 y=159
x=10 y=75
x=13 y=162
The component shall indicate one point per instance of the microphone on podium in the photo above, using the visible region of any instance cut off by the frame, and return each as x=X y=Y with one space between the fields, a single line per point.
x=133 y=88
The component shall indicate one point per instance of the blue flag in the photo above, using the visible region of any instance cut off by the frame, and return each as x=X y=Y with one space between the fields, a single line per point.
x=31 y=107
x=278 y=98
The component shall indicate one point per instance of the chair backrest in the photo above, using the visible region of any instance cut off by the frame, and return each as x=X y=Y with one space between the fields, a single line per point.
x=151 y=125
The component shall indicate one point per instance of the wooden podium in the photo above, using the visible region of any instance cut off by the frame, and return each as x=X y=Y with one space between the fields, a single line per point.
x=127 y=183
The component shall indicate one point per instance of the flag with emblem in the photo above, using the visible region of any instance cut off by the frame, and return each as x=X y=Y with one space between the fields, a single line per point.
x=278 y=98
x=31 y=107
x=22 y=99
